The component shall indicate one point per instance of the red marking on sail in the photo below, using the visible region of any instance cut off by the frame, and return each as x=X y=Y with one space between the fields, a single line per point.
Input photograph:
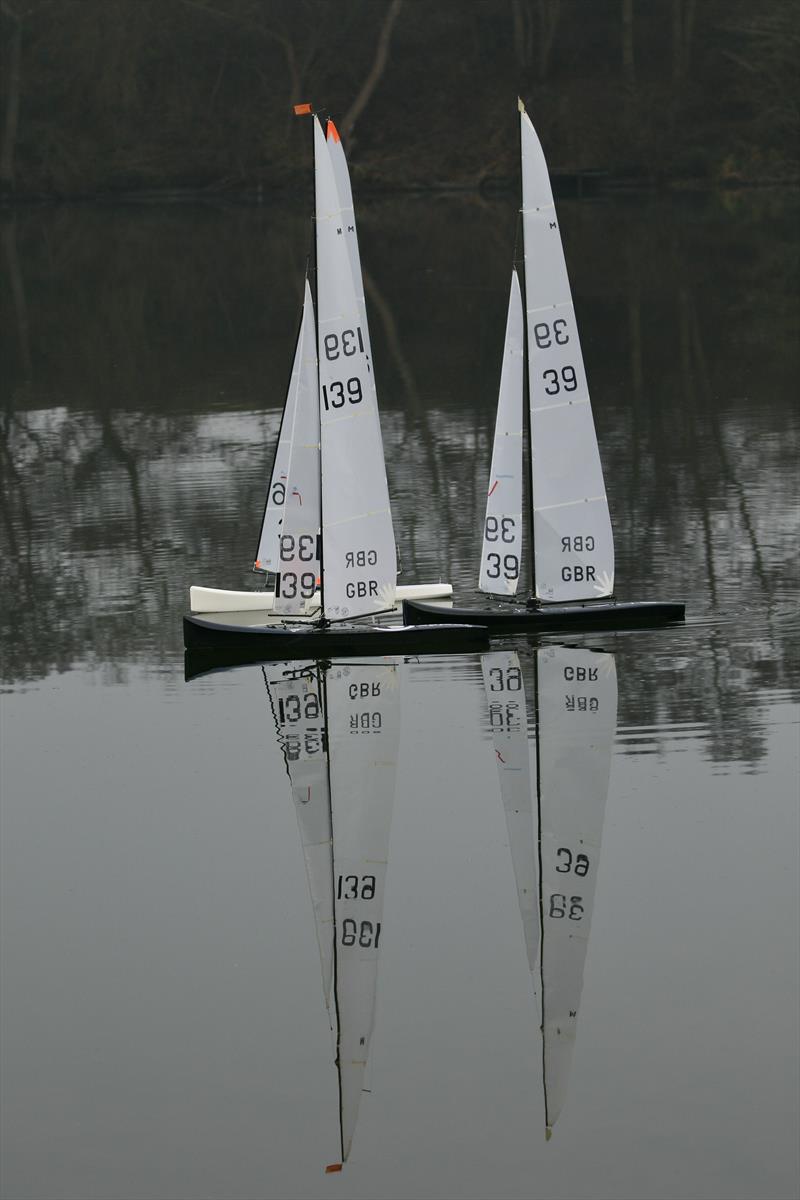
x=332 y=131
x=258 y=562
x=499 y=755
x=299 y=497
x=333 y=1167
x=494 y=485
x=302 y=110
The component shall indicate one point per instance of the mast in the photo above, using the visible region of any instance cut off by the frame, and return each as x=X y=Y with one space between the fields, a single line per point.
x=526 y=403
x=323 y=620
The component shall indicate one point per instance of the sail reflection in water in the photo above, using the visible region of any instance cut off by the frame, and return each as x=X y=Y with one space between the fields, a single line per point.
x=554 y=810
x=339 y=729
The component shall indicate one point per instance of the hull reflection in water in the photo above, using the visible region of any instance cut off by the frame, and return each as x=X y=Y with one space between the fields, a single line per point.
x=339 y=729
x=554 y=807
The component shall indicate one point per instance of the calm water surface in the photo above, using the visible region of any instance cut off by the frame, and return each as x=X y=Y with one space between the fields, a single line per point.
x=165 y=1033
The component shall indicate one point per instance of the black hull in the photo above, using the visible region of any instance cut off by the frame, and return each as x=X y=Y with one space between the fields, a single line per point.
x=594 y=614
x=259 y=643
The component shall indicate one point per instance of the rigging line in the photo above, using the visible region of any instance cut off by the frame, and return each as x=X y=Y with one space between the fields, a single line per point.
x=322 y=670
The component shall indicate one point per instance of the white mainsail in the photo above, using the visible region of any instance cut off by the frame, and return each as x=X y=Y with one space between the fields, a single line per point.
x=572 y=536
x=343 y=186
x=350 y=234
x=577 y=703
x=296 y=699
x=268 y=540
x=501 y=554
x=363 y=708
x=298 y=556
x=508 y=721
x=359 y=556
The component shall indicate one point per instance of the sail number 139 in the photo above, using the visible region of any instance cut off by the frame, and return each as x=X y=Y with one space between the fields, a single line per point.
x=350 y=342
x=337 y=393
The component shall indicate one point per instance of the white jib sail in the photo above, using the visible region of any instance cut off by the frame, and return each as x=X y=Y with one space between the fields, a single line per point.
x=297 y=707
x=572 y=536
x=508 y=721
x=359 y=555
x=577 y=692
x=501 y=554
x=268 y=541
x=363 y=732
x=298 y=555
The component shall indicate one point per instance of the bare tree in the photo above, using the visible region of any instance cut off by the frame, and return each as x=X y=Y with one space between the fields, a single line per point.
x=11 y=122
x=378 y=65
x=628 y=61
x=535 y=25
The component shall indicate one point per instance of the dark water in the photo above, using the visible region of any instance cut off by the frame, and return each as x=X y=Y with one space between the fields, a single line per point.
x=164 y=1030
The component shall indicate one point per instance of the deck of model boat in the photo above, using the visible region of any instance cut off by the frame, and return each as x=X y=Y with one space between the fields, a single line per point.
x=257 y=638
x=506 y=618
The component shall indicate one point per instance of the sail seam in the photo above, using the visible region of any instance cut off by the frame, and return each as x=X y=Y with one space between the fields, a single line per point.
x=568 y=503
x=373 y=512
x=563 y=404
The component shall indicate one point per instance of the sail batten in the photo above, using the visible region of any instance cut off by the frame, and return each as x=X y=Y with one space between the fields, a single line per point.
x=573 y=550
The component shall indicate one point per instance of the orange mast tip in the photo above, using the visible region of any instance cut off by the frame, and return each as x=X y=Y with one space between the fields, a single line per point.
x=333 y=132
x=329 y=1170
x=302 y=110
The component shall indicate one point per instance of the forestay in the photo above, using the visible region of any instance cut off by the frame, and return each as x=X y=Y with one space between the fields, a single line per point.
x=295 y=694
x=268 y=542
x=501 y=554
x=359 y=557
x=298 y=558
x=573 y=541
x=508 y=721
x=363 y=705
x=577 y=700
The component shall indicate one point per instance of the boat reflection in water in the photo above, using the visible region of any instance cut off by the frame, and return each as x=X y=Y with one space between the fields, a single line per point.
x=338 y=725
x=554 y=798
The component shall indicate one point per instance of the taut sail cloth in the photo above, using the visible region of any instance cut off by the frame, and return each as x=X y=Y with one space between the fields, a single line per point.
x=269 y=537
x=359 y=556
x=577 y=701
x=298 y=555
x=572 y=537
x=501 y=554
x=363 y=707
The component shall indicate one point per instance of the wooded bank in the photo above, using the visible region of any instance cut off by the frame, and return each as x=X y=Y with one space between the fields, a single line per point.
x=108 y=96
